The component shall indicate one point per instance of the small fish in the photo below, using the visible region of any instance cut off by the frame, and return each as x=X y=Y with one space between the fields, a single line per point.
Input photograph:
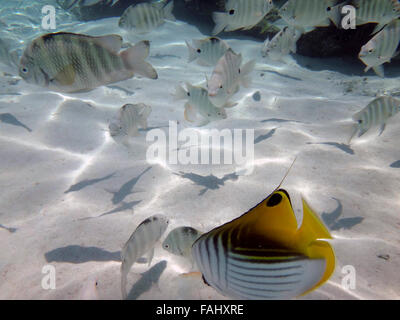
x=376 y=113
x=310 y=13
x=228 y=75
x=381 y=48
x=281 y=44
x=207 y=51
x=141 y=242
x=144 y=17
x=180 y=240
x=377 y=11
x=241 y=14
x=130 y=118
x=70 y=62
x=199 y=103
x=264 y=255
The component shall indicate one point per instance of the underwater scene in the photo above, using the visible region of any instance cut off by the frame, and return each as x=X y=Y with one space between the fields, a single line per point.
x=199 y=150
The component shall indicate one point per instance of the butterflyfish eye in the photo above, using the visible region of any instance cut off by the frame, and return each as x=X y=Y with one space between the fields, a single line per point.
x=231 y=12
x=198 y=50
x=274 y=200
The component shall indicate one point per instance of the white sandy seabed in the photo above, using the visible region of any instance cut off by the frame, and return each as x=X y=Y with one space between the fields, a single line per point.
x=63 y=167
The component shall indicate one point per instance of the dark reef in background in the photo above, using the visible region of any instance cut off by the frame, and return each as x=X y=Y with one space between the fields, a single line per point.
x=322 y=42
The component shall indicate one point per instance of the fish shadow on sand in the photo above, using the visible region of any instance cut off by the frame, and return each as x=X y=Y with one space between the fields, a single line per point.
x=147 y=280
x=395 y=164
x=209 y=182
x=80 y=254
x=10 y=119
x=264 y=137
x=11 y=230
x=344 y=147
x=126 y=188
x=163 y=56
x=331 y=219
x=123 y=207
x=279 y=120
x=88 y=182
x=282 y=75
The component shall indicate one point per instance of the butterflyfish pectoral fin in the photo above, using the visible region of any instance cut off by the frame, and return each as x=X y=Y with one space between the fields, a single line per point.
x=322 y=249
x=311 y=229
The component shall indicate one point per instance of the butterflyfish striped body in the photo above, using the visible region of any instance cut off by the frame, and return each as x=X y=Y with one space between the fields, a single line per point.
x=264 y=255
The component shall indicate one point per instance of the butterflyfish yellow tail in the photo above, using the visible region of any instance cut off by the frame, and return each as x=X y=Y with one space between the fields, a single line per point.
x=312 y=229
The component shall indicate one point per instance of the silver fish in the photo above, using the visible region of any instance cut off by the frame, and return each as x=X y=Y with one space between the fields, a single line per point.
x=130 y=118
x=180 y=240
x=207 y=51
x=70 y=62
x=141 y=242
x=199 y=103
x=376 y=113
x=281 y=44
x=310 y=13
x=228 y=75
x=381 y=48
x=241 y=14
x=377 y=11
x=144 y=17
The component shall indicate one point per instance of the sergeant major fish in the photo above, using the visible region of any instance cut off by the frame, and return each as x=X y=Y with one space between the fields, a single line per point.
x=381 y=48
x=377 y=11
x=228 y=75
x=310 y=13
x=144 y=17
x=376 y=113
x=264 y=255
x=199 y=103
x=281 y=44
x=70 y=62
x=241 y=14
x=207 y=51
x=141 y=242
x=180 y=240
x=130 y=118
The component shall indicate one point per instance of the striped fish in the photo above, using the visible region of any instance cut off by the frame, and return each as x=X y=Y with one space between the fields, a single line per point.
x=145 y=17
x=377 y=11
x=281 y=44
x=180 y=240
x=70 y=62
x=207 y=51
x=141 y=242
x=376 y=113
x=264 y=255
x=381 y=48
x=199 y=103
x=310 y=13
x=241 y=14
x=130 y=118
x=228 y=75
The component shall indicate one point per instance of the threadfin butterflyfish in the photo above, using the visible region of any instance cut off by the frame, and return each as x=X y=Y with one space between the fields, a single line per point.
x=264 y=255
